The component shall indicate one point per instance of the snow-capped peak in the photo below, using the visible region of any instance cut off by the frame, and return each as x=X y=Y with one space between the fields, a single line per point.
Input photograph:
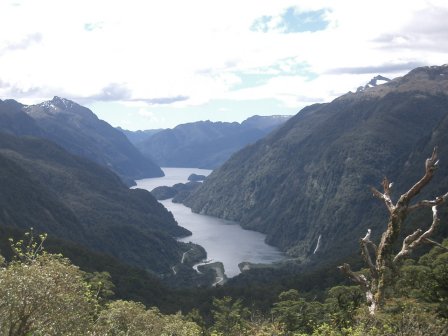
x=57 y=103
x=375 y=81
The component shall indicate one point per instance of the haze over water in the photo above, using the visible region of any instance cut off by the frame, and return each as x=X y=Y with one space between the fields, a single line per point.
x=223 y=240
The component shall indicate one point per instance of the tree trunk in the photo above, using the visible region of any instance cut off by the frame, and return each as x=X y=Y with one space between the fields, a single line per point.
x=382 y=271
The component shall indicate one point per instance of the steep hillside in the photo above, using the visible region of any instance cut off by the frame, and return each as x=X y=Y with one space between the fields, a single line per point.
x=45 y=187
x=205 y=144
x=14 y=121
x=311 y=178
x=79 y=131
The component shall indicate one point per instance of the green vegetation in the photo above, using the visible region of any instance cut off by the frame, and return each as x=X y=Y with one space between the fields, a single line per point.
x=45 y=294
x=306 y=181
x=77 y=200
x=311 y=177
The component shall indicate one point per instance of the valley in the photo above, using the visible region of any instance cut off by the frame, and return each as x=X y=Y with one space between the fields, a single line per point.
x=260 y=238
x=224 y=241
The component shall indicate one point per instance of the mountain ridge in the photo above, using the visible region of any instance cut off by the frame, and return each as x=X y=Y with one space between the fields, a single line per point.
x=78 y=200
x=205 y=144
x=81 y=132
x=311 y=177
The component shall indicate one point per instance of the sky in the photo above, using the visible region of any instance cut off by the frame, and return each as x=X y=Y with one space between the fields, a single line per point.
x=156 y=64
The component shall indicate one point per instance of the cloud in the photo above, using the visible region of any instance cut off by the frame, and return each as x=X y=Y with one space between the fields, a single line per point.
x=113 y=92
x=425 y=31
x=164 y=100
x=11 y=90
x=120 y=92
x=378 y=69
x=182 y=54
x=22 y=44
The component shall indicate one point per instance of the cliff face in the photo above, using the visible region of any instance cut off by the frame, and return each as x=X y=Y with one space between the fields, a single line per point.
x=311 y=178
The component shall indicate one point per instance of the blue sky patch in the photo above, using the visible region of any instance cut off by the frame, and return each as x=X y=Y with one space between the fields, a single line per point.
x=91 y=26
x=292 y=21
x=286 y=67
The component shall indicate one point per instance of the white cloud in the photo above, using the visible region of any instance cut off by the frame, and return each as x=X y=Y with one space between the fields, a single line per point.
x=198 y=49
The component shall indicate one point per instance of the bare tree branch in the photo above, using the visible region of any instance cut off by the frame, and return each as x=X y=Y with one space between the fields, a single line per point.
x=386 y=196
x=417 y=238
x=360 y=279
x=405 y=249
x=387 y=185
x=381 y=259
x=367 y=240
x=426 y=203
x=365 y=243
x=430 y=241
x=431 y=165
x=365 y=285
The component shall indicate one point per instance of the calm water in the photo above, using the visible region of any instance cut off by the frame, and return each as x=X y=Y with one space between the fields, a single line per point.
x=223 y=240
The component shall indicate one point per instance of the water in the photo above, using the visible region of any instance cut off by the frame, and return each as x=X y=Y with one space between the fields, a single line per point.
x=223 y=240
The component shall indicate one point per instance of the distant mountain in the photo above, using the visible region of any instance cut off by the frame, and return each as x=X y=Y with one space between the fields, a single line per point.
x=308 y=182
x=205 y=144
x=135 y=137
x=71 y=198
x=78 y=130
x=265 y=123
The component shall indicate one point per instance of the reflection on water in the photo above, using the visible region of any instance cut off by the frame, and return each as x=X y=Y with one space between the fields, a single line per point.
x=223 y=240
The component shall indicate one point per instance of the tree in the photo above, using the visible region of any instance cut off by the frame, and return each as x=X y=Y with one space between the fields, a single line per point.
x=296 y=314
x=385 y=259
x=230 y=317
x=43 y=294
x=122 y=318
x=342 y=303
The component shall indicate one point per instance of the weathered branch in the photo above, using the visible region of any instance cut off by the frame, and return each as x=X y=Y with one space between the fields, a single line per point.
x=364 y=283
x=367 y=240
x=386 y=195
x=360 y=279
x=430 y=241
x=387 y=185
x=417 y=238
x=406 y=250
x=382 y=260
x=426 y=203
x=365 y=243
x=431 y=165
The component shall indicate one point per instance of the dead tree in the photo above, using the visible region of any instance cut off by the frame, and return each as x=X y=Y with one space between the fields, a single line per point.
x=382 y=259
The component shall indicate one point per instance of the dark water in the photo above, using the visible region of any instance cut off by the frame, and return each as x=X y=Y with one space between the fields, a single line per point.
x=223 y=240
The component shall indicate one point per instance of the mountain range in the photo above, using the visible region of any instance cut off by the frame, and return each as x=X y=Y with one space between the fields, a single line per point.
x=202 y=144
x=307 y=184
x=74 y=199
x=78 y=130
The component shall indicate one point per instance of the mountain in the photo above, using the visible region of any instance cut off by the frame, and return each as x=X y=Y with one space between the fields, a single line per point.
x=205 y=144
x=375 y=81
x=74 y=199
x=78 y=130
x=265 y=123
x=14 y=121
x=135 y=137
x=309 y=181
